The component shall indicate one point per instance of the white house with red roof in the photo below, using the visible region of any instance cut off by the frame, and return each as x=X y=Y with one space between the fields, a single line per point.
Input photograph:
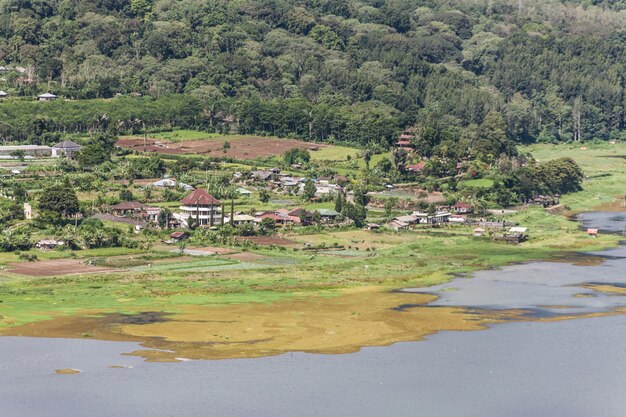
x=462 y=208
x=201 y=207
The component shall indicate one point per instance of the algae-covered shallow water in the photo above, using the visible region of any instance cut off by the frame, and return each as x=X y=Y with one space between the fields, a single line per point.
x=565 y=369
x=540 y=357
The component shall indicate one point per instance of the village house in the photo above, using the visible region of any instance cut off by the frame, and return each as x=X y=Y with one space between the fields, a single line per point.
x=418 y=217
x=281 y=218
x=241 y=219
x=516 y=234
x=397 y=225
x=408 y=219
x=172 y=183
x=457 y=218
x=136 y=210
x=178 y=236
x=462 y=208
x=201 y=207
x=3 y=95
x=67 y=149
x=328 y=215
x=341 y=180
x=545 y=200
x=297 y=216
x=127 y=209
x=592 y=232
x=289 y=182
x=435 y=218
x=416 y=168
x=244 y=193
x=49 y=244
x=262 y=175
x=305 y=216
x=46 y=97
x=324 y=188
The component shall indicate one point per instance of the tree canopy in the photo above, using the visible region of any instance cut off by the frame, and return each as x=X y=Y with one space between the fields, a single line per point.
x=357 y=71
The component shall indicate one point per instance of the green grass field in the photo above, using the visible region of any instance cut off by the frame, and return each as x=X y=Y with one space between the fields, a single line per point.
x=418 y=258
x=478 y=183
x=390 y=260
x=604 y=166
x=181 y=135
x=334 y=153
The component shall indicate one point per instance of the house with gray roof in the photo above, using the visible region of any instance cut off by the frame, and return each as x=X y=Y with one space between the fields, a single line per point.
x=67 y=149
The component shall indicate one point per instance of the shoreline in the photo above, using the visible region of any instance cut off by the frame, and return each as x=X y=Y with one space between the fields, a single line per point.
x=343 y=321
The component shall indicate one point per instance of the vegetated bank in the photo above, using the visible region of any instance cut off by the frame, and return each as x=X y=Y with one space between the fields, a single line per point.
x=151 y=278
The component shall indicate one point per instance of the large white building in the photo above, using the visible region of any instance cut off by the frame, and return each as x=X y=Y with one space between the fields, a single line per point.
x=29 y=150
x=201 y=207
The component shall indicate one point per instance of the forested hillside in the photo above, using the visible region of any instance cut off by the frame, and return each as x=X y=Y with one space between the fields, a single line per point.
x=457 y=71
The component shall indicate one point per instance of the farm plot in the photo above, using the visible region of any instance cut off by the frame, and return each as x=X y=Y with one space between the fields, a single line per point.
x=239 y=147
x=269 y=240
x=55 y=267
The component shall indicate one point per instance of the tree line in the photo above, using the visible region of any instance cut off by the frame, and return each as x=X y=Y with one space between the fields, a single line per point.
x=357 y=71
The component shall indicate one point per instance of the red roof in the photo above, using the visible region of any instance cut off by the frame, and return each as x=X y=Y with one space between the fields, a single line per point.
x=128 y=205
x=282 y=218
x=416 y=167
x=462 y=205
x=298 y=211
x=403 y=143
x=200 y=198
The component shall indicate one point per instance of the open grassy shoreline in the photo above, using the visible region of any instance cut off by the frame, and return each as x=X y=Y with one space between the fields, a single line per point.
x=384 y=260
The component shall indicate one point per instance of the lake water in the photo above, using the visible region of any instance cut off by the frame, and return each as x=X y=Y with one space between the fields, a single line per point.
x=571 y=368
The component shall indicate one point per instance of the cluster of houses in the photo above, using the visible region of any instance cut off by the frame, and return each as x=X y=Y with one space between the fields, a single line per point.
x=444 y=214
x=504 y=231
x=202 y=209
x=40 y=97
x=65 y=149
x=274 y=179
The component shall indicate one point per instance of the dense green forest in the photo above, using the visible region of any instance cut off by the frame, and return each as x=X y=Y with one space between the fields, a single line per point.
x=481 y=74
